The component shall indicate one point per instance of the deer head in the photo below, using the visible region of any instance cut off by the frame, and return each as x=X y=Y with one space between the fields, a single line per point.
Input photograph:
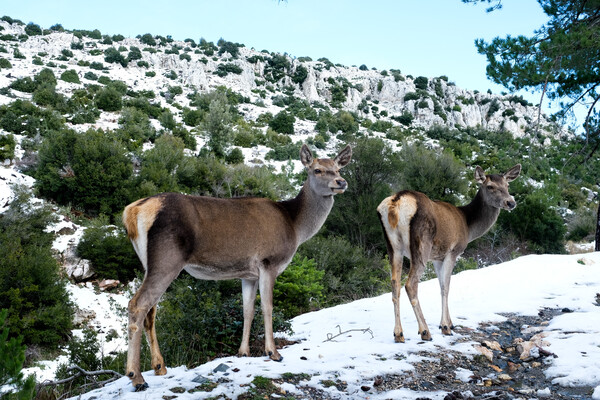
x=494 y=188
x=324 y=173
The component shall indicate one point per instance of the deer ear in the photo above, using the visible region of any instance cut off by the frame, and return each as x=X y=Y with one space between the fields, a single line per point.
x=344 y=157
x=479 y=174
x=512 y=173
x=306 y=156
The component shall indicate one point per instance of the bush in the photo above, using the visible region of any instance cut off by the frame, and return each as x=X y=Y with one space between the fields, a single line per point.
x=582 y=226
x=12 y=357
x=70 y=76
x=299 y=288
x=4 y=63
x=199 y=320
x=33 y=29
x=88 y=170
x=235 y=156
x=148 y=40
x=349 y=272
x=7 y=147
x=224 y=69
x=284 y=152
x=109 y=99
x=109 y=251
x=411 y=96
x=421 y=82
x=31 y=287
x=283 y=122
x=113 y=56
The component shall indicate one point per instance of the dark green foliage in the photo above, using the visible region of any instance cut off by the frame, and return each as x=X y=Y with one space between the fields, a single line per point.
x=405 y=119
x=224 y=69
x=97 y=65
x=7 y=147
x=421 y=82
x=381 y=126
x=4 y=63
x=70 y=76
x=148 y=39
x=25 y=84
x=90 y=76
x=235 y=156
x=411 y=96
x=217 y=124
x=300 y=74
x=350 y=272
x=494 y=106
x=199 y=320
x=276 y=67
x=371 y=176
x=283 y=122
x=299 y=289
x=88 y=169
x=24 y=118
x=33 y=29
x=433 y=172
x=31 y=288
x=229 y=47
x=284 y=152
x=159 y=165
x=536 y=220
x=12 y=357
x=134 y=128
x=109 y=251
x=113 y=56
x=109 y=99
x=363 y=67
x=582 y=225
x=134 y=54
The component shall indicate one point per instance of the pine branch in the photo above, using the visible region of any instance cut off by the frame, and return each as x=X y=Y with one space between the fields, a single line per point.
x=82 y=372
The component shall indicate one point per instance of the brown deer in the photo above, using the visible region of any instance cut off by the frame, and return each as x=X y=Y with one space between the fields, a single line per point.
x=253 y=239
x=424 y=230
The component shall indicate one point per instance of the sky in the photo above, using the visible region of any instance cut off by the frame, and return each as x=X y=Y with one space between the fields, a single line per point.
x=426 y=37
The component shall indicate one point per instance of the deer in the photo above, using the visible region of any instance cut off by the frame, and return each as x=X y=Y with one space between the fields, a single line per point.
x=423 y=230
x=247 y=238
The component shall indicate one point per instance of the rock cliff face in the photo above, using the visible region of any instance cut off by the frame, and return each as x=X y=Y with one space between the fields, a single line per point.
x=415 y=102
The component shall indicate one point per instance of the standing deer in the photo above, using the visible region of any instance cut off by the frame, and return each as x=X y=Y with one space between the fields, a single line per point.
x=253 y=239
x=424 y=230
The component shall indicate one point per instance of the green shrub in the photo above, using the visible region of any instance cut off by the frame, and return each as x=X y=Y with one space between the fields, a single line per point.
x=69 y=171
x=70 y=76
x=33 y=29
x=582 y=225
x=97 y=65
x=421 y=82
x=90 y=76
x=147 y=39
x=7 y=147
x=284 y=152
x=350 y=273
x=405 y=119
x=31 y=287
x=235 y=156
x=283 y=122
x=4 y=63
x=299 y=288
x=113 y=56
x=12 y=357
x=199 y=320
x=109 y=251
x=25 y=84
x=300 y=74
x=411 y=96
x=224 y=69
x=135 y=128
x=109 y=99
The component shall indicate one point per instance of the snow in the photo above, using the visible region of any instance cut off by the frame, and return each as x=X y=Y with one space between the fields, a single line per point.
x=367 y=349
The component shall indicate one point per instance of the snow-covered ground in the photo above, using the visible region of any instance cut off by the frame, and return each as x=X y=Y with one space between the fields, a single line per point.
x=523 y=286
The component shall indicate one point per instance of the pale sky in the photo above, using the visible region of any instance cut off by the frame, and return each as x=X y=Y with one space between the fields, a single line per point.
x=418 y=37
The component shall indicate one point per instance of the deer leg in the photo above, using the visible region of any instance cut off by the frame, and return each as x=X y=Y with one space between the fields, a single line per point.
x=146 y=298
x=249 y=296
x=443 y=269
x=396 y=260
x=265 y=284
x=417 y=266
x=158 y=362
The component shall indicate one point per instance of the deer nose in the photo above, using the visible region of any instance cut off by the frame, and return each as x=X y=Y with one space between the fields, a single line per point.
x=510 y=204
x=341 y=182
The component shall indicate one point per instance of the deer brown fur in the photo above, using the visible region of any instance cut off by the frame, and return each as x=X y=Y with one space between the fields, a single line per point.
x=252 y=239
x=425 y=230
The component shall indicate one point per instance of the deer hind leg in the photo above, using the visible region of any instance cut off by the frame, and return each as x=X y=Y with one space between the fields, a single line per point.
x=396 y=261
x=249 y=296
x=265 y=284
x=146 y=298
x=158 y=362
x=443 y=269
x=417 y=266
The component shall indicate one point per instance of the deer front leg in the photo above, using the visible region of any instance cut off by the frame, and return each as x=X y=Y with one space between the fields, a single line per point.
x=412 y=290
x=249 y=296
x=443 y=269
x=158 y=362
x=396 y=286
x=266 y=283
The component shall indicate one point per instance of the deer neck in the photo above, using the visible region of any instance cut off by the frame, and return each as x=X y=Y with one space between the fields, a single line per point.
x=308 y=212
x=479 y=216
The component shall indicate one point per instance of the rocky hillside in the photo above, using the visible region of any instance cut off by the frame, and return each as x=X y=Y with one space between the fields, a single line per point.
x=268 y=81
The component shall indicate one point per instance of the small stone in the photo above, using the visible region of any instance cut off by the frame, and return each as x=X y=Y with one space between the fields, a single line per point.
x=221 y=368
x=544 y=393
x=365 y=388
x=492 y=345
x=512 y=367
x=200 y=380
x=504 y=377
x=487 y=353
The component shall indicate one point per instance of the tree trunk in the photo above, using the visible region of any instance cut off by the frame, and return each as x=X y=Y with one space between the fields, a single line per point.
x=598 y=228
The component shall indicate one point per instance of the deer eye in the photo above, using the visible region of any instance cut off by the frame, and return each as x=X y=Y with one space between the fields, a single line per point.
x=490 y=187
x=317 y=171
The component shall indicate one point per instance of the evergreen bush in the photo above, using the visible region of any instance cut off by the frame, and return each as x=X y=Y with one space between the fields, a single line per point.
x=70 y=76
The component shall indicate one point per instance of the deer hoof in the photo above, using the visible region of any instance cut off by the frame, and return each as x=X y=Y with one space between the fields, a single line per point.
x=425 y=335
x=446 y=330
x=399 y=338
x=159 y=369
x=275 y=356
x=140 y=387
